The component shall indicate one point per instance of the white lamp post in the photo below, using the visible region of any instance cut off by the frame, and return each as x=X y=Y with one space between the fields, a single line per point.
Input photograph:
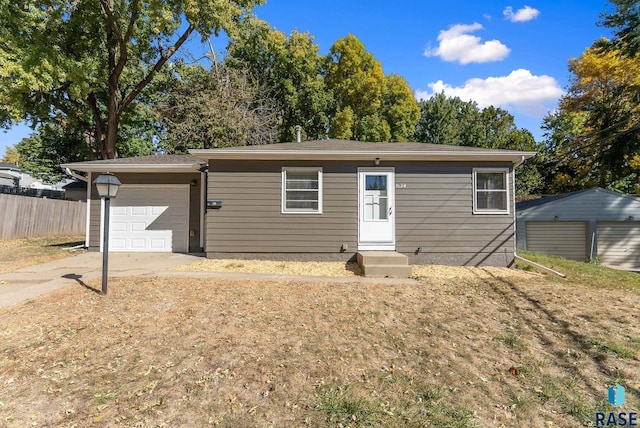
x=107 y=185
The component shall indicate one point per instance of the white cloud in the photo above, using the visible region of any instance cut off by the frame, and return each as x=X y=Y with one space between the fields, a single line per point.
x=456 y=44
x=525 y=14
x=521 y=91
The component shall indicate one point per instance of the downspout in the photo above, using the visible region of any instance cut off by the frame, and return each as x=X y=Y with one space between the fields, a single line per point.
x=522 y=259
x=529 y=262
x=76 y=176
x=88 y=224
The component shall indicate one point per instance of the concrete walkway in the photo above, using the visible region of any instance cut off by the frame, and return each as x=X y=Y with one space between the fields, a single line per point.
x=43 y=278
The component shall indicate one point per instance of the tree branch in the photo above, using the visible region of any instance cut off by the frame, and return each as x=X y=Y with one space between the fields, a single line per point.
x=158 y=65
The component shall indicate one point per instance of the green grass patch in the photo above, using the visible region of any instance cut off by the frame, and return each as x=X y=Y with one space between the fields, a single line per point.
x=512 y=341
x=343 y=406
x=583 y=272
x=621 y=351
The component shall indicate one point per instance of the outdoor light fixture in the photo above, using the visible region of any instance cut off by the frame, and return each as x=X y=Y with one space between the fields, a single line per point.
x=107 y=185
x=376 y=161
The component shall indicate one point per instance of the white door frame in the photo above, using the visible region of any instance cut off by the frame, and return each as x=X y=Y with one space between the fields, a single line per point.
x=186 y=188
x=363 y=242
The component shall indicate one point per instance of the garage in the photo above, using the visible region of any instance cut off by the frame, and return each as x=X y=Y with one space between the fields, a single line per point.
x=619 y=244
x=592 y=224
x=560 y=238
x=148 y=218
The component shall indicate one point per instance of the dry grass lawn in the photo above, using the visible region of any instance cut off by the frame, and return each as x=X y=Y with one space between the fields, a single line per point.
x=20 y=253
x=273 y=267
x=465 y=347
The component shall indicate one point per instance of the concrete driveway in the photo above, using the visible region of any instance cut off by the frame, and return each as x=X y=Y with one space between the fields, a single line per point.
x=43 y=278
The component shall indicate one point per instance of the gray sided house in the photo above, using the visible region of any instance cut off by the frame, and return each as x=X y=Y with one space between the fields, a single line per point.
x=322 y=200
x=329 y=199
x=588 y=224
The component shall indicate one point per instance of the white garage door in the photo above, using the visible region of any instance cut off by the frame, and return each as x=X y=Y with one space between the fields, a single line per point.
x=150 y=219
x=619 y=244
x=567 y=239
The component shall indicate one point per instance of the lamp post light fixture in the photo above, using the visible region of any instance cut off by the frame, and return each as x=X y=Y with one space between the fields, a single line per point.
x=107 y=185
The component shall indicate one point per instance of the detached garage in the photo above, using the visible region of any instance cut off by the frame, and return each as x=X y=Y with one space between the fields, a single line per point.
x=589 y=224
x=158 y=207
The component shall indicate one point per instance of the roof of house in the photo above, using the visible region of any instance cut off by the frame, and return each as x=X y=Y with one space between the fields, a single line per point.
x=166 y=163
x=10 y=166
x=358 y=150
x=77 y=184
x=523 y=205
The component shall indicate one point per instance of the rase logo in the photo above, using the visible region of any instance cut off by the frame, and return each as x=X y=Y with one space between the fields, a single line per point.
x=615 y=396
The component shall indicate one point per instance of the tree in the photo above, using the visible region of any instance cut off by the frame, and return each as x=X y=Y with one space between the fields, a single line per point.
x=11 y=156
x=399 y=108
x=221 y=107
x=357 y=81
x=83 y=64
x=625 y=19
x=604 y=96
x=289 y=67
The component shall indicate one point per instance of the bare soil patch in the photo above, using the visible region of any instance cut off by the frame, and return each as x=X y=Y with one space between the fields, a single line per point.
x=20 y=253
x=466 y=347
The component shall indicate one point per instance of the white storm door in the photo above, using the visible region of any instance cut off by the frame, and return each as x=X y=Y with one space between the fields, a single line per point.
x=376 y=225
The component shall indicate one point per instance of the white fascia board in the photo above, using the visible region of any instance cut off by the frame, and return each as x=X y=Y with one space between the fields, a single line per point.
x=133 y=167
x=515 y=157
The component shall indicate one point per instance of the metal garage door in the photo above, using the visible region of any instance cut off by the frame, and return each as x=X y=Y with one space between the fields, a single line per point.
x=567 y=239
x=152 y=218
x=619 y=244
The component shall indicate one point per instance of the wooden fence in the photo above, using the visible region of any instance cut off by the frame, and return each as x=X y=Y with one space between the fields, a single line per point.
x=25 y=217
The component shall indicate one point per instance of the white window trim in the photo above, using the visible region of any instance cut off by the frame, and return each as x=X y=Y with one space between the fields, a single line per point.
x=504 y=171
x=283 y=194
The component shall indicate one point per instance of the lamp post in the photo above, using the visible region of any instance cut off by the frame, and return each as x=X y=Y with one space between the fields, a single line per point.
x=107 y=185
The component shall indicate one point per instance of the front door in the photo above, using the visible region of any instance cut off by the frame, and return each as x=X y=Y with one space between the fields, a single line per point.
x=376 y=225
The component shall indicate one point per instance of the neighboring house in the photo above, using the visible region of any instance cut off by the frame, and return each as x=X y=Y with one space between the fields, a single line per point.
x=9 y=175
x=316 y=200
x=588 y=224
x=75 y=190
x=14 y=180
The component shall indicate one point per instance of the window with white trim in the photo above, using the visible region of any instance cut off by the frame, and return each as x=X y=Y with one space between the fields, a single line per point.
x=301 y=190
x=491 y=191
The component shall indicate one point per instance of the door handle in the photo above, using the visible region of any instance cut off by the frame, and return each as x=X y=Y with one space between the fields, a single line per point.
x=390 y=210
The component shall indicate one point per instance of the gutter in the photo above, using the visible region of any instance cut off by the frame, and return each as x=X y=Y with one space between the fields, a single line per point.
x=521 y=161
x=360 y=155
x=76 y=176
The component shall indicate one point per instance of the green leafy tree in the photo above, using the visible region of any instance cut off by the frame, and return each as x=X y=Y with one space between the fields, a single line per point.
x=82 y=64
x=289 y=67
x=399 y=108
x=44 y=151
x=449 y=120
x=625 y=20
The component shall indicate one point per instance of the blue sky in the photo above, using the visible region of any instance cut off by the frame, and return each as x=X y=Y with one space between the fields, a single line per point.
x=511 y=55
